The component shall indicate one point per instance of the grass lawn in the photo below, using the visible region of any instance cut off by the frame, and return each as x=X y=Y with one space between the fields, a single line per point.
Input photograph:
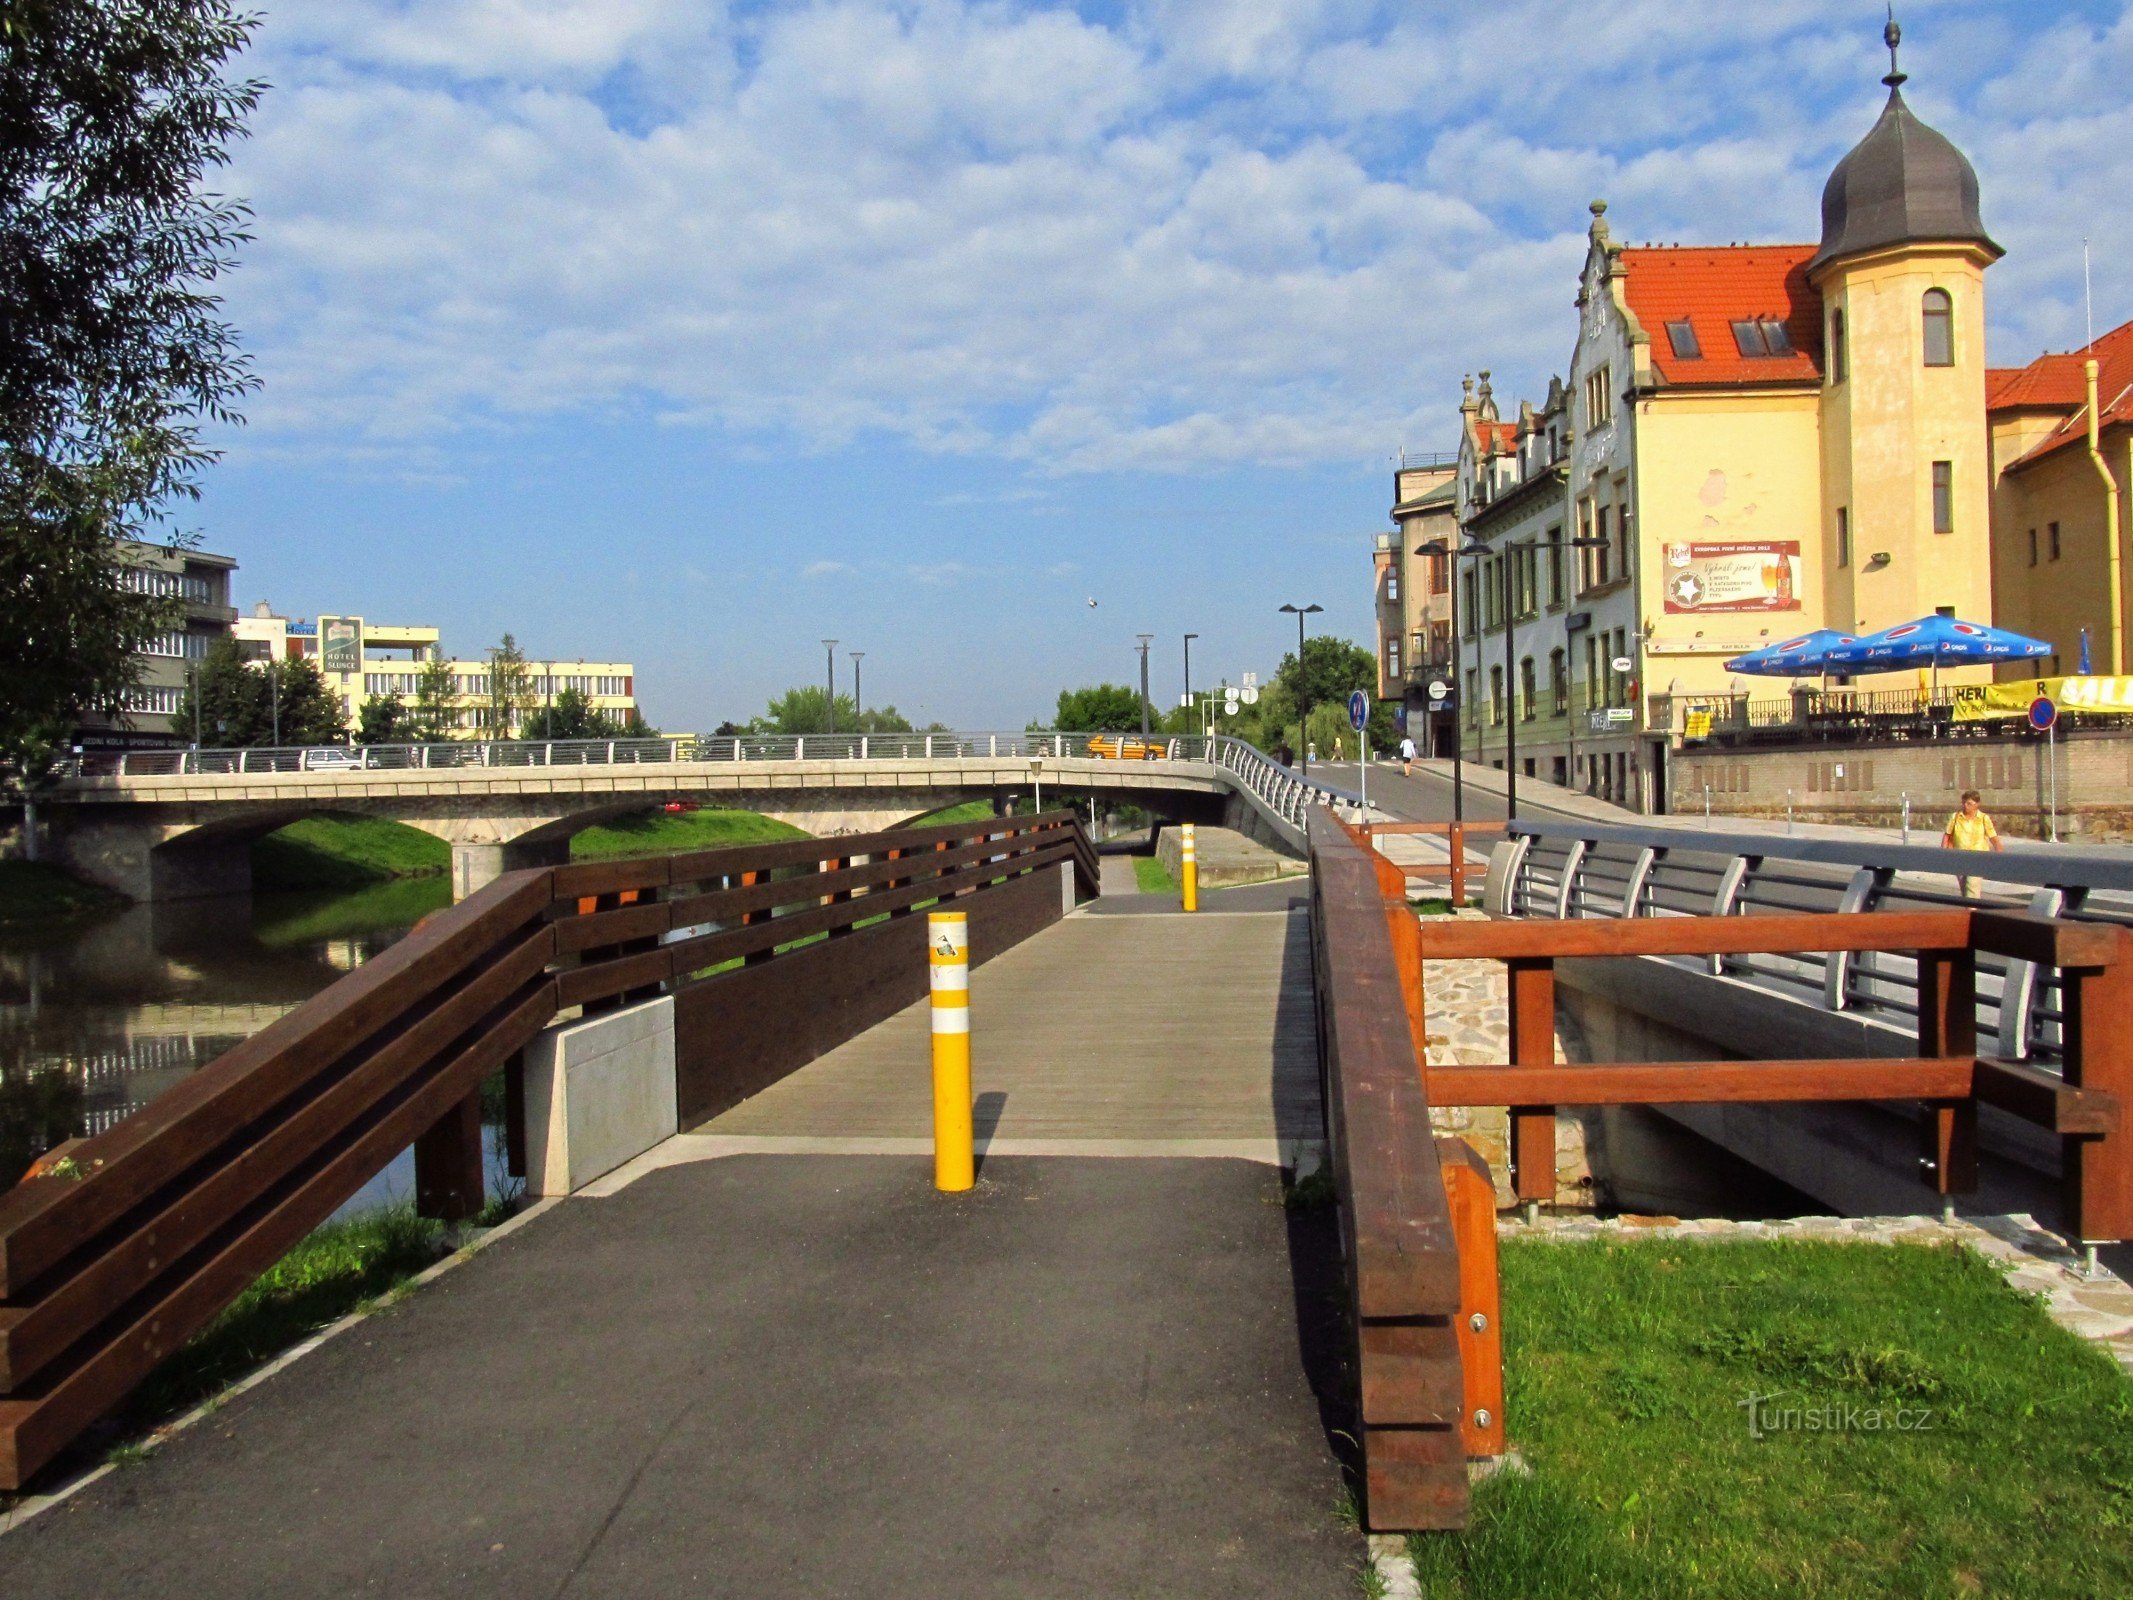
x=1150 y=876
x=331 y=1273
x=345 y=853
x=658 y=833
x=36 y=892
x=968 y=811
x=1627 y=1367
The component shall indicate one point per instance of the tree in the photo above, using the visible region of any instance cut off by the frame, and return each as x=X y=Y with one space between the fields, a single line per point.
x=385 y=719
x=112 y=348
x=1332 y=669
x=312 y=711
x=228 y=701
x=570 y=716
x=801 y=710
x=436 y=688
x=1102 y=708
x=510 y=688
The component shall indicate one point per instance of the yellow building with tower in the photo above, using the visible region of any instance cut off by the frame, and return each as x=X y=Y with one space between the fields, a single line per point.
x=1755 y=441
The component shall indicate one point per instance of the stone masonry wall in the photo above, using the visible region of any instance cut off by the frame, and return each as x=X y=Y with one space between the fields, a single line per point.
x=1866 y=784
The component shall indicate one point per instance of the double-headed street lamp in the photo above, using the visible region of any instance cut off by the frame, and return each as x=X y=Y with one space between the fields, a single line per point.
x=1186 y=700
x=1510 y=552
x=829 y=705
x=858 y=705
x=1303 y=683
x=1146 y=640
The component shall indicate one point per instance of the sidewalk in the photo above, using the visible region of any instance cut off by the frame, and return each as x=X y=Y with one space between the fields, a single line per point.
x=785 y=1375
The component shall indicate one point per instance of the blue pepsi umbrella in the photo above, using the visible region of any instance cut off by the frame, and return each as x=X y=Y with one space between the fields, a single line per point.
x=1791 y=658
x=1934 y=641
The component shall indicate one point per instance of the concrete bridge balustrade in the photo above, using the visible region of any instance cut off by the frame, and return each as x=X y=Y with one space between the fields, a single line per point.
x=172 y=834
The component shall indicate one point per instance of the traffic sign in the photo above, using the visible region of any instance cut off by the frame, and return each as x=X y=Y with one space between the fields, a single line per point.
x=1439 y=689
x=1251 y=693
x=1621 y=663
x=1358 y=710
x=2042 y=713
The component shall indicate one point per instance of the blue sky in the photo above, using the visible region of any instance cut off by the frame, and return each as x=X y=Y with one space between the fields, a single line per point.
x=692 y=334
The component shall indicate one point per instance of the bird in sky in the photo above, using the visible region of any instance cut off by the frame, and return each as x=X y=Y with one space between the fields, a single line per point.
x=1092 y=602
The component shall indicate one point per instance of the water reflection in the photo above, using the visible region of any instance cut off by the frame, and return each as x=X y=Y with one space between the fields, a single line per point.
x=131 y=1002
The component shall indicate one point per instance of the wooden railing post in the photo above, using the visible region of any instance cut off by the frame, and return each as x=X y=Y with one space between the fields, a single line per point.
x=2099 y=1055
x=1530 y=986
x=1947 y=1028
x=1457 y=838
x=450 y=1184
x=1471 y=1194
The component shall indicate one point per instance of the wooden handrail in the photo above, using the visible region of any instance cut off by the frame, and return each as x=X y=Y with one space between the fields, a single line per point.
x=115 y=1255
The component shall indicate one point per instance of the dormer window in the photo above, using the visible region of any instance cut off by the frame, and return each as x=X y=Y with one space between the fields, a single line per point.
x=1682 y=336
x=1756 y=337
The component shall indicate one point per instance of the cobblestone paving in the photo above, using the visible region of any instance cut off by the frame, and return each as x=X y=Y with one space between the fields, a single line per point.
x=1468 y=1024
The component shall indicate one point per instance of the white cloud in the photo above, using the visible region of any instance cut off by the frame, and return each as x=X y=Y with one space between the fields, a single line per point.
x=1220 y=231
x=825 y=569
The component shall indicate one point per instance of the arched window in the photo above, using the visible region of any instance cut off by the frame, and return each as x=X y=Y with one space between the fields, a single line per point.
x=1836 y=345
x=1939 y=315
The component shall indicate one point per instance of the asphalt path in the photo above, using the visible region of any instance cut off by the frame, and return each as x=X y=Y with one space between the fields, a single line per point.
x=1419 y=797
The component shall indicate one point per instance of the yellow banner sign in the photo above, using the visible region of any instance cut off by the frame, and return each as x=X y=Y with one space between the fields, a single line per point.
x=1989 y=702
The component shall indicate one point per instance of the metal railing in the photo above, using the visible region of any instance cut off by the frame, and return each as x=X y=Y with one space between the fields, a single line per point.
x=1574 y=870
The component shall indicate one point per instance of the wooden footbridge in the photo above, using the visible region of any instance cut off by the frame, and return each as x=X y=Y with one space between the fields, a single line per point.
x=792 y=969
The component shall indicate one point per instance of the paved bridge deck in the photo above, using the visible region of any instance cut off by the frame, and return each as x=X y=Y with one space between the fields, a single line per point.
x=809 y=1374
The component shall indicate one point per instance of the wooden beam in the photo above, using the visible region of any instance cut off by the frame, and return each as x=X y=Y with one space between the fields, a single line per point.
x=1699 y=1082
x=2046 y=1099
x=1509 y=939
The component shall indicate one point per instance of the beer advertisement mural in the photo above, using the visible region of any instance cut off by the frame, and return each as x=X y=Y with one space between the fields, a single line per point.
x=1732 y=576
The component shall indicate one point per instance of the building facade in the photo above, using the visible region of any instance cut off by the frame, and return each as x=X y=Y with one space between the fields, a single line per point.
x=1414 y=595
x=200 y=582
x=1751 y=442
x=364 y=660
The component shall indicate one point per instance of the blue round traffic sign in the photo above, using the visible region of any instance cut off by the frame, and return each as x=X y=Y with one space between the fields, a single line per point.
x=1358 y=710
x=2042 y=713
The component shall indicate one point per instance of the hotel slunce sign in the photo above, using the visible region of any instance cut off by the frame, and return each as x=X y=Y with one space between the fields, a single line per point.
x=340 y=644
x=1992 y=702
x=1732 y=576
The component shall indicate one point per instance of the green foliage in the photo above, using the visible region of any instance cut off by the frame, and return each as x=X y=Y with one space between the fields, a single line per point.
x=435 y=694
x=1101 y=708
x=303 y=919
x=36 y=892
x=37 y=1111
x=337 y=1269
x=345 y=852
x=1332 y=669
x=653 y=833
x=1627 y=1367
x=806 y=710
x=385 y=719
x=114 y=350
x=236 y=701
x=510 y=688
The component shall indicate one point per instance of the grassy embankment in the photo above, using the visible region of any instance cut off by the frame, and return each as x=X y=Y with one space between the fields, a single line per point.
x=1150 y=876
x=658 y=833
x=345 y=853
x=35 y=892
x=1977 y=1447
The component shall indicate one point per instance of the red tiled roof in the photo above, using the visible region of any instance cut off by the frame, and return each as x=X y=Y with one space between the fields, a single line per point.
x=2113 y=354
x=1714 y=287
x=1495 y=436
x=2054 y=381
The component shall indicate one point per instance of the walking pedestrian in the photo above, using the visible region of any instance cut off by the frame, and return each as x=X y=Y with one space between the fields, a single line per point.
x=1970 y=829
x=1407 y=756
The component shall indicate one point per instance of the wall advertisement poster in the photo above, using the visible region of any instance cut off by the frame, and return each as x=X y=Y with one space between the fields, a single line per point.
x=1732 y=576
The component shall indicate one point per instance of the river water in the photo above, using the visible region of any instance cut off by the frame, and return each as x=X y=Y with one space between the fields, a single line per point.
x=127 y=1003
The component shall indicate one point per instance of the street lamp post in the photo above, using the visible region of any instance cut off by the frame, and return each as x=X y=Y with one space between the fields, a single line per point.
x=858 y=705
x=1146 y=639
x=1303 y=685
x=1511 y=554
x=829 y=704
x=1188 y=668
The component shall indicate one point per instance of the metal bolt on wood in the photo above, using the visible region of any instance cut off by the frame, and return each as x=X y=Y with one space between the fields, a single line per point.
x=948 y=962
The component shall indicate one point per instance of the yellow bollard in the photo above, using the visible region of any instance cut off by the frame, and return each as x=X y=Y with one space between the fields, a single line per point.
x=1188 y=868
x=948 y=960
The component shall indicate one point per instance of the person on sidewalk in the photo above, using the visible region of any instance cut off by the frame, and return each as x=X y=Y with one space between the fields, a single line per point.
x=1970 y=829
x=1407 y=756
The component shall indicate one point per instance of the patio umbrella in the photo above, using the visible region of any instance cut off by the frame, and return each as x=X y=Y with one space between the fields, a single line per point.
x=1934 y=641
x=1791 y=658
